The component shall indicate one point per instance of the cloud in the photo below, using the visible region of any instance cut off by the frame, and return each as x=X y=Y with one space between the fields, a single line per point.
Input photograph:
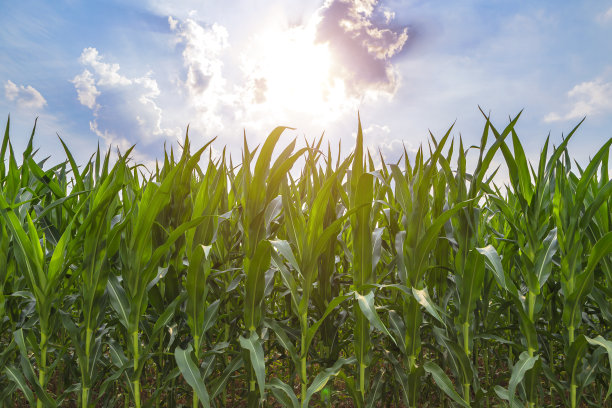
x=379 y=141
x=606 y=16
x=201 y=55
x=108 y=74
x=85 y=85
x=392 y=151
x=358 y=35
x=24 y=96
x=589 y=99
x=206 y=86
x=308 y=74
x=123 y=108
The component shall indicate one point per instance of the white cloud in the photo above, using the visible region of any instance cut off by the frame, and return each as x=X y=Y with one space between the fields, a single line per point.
x=393 y=150
x=201 y=55
x=24 y=96
x=606 y=16
x=122 y=107
x=374 y=131
x=362 y=44
x=85 y=85
x=379 y=141
x=108 y=74
x=589 y=99
x=206 y=86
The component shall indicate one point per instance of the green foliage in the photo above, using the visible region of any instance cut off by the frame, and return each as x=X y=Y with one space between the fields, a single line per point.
x=300 y=279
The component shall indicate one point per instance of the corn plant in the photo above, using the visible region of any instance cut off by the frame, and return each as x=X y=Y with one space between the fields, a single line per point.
x=99 y=238
x=202 y=312
x=140 y=262
x=310 y=239
x=577 y=276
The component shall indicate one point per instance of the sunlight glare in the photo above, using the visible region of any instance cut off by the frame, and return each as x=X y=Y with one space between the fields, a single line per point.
x=297 y=72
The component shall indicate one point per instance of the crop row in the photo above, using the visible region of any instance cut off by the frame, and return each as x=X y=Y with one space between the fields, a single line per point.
x=345 y=282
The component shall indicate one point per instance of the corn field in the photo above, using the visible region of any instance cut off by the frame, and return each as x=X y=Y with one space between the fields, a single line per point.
x=298 y=277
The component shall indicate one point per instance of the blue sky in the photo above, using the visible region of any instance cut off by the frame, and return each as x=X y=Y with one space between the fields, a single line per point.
x=123 y=73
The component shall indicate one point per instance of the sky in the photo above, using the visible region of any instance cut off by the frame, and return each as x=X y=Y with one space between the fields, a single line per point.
x=118 y=73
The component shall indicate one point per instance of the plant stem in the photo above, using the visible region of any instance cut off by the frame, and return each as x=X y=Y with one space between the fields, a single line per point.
x=85 y=390
x=196 y=346
x=466 y=393
x=466 y=348
x=43 y=360
x=487 y=373
x=84 y=397
x=362 y=368
x=466 y=340
x=531 y=299
x=303 y=354
x=531 y=305
x=136 y=381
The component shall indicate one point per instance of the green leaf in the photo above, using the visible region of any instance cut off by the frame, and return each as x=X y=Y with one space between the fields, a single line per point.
x=15 y=376
x=283 y=393
x=461 y=364
x=524 y=364
x=256 y=353
x=283 y=248
x=401 y=378
x=323 y=377
x=219 y=385
x=424 y=300
x=399 y=329
x=376 y=388
x=505 y=395
x=118 y=300
x=28 y=370
x=444 y=383
x=494 y=264
x=471 y=285
x=607 y=345
x=191 y=373
x=210 y=315
x=573 y=362
x=584 y=282
x=283 y=340
x=168 y=313
x=366 y=304
x=312 y=330
x=425 y=245
x=544 y=262
x=255 y=284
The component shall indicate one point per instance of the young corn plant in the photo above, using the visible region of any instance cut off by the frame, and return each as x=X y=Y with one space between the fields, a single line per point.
x=7 y=274
x=414 y=244
x=329 y=277
x=99 y=237
x=577 y=276
x=140 y=262
x=535 y=245
x=307 y=240
x=201 y=310
x=361 y=198
x=469 y=265
x=42 y=258
x=258 y=191
x=167 y=294
x=43 y=280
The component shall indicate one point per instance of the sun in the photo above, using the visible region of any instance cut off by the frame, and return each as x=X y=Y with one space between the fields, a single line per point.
x=295 y=74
